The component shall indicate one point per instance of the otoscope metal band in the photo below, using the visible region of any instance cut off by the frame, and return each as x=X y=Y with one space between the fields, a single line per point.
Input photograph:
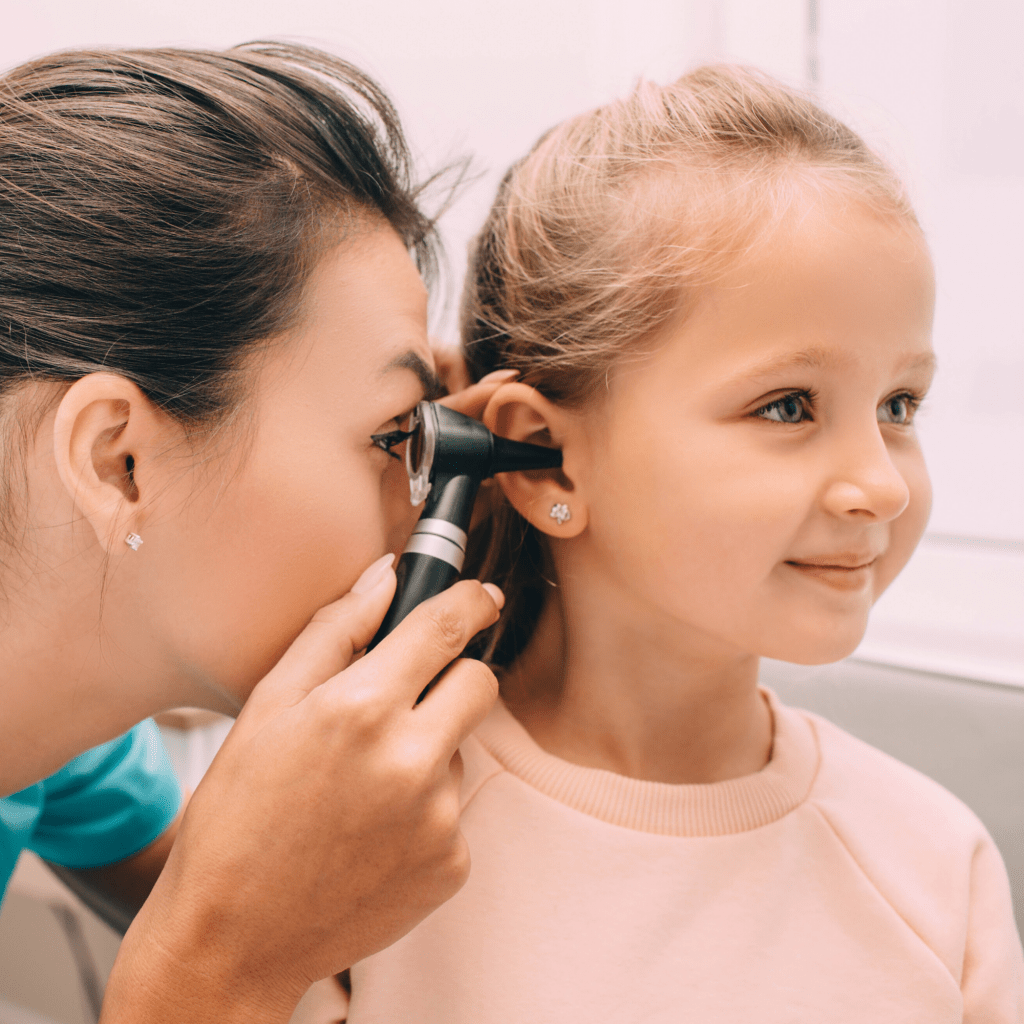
x=442 y=528
x=440 y=539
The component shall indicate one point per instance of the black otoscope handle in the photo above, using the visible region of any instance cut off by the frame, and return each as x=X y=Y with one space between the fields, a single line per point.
x=419 y=577
x=433 y=557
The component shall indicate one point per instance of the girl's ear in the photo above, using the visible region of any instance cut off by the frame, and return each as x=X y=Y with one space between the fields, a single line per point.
x=105 y=435
x=553 y=500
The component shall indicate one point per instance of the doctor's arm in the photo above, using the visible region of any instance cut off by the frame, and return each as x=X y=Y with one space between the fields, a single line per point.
x=115 y=892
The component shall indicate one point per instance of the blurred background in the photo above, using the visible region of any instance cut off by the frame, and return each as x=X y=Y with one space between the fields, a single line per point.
x=936 y=85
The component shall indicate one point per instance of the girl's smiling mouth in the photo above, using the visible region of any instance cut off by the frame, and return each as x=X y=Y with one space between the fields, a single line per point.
x=845 y=571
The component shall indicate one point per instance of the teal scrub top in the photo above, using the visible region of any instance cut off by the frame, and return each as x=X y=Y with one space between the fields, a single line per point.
x=102 y=807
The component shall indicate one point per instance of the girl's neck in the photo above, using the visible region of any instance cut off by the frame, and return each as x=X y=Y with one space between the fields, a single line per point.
x=636 y=698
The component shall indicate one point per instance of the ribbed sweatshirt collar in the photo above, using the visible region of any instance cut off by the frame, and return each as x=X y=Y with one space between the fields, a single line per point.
x=712 y=809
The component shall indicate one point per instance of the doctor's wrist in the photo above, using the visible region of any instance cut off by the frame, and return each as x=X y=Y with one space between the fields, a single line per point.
x=177 y=966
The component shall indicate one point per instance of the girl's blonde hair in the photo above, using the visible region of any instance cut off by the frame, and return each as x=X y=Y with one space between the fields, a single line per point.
x=617 y=220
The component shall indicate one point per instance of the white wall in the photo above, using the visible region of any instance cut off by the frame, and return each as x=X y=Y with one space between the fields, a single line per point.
x=468 y=77
x=937 y=84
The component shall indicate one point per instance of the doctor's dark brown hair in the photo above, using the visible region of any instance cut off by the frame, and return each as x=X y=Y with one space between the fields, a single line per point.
x=619 y=219
x=161 y=211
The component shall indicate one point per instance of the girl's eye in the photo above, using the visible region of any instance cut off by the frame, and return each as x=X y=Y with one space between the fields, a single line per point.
x=899 y=409
x=789 y=408
x=795 y=408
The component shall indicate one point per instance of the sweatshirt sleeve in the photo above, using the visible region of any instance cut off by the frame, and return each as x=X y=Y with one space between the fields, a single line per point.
x=993 y=971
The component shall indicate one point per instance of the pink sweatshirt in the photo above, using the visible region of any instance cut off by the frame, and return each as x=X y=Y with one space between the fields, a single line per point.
x=834 y=885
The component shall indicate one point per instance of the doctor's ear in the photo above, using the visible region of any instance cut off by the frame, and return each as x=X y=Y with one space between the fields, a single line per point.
x=553 y=500
x=106 y=434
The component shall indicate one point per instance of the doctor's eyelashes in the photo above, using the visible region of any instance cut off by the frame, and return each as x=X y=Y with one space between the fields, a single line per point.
x=389 y=440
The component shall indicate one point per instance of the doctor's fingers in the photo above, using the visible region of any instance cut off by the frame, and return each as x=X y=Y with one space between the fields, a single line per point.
x=455 y=705
x=424 y=644
x=472 y=400
x=413 y=751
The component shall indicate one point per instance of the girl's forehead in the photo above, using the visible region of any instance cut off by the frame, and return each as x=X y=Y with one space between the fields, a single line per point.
x=828 y=293
x=829 y=275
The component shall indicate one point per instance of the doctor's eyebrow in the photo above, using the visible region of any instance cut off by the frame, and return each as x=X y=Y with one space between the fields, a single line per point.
x=432 y=386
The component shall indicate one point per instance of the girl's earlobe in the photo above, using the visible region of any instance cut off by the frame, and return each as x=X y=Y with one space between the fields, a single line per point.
x=558 y=513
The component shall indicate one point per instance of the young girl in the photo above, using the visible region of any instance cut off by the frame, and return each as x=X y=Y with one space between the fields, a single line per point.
x=720 y=305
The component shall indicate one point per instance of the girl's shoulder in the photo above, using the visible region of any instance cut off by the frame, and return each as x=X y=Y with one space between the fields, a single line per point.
x=858 y=783
x=922 y=849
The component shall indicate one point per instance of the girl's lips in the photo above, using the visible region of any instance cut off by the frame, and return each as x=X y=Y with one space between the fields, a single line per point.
x=837 y=576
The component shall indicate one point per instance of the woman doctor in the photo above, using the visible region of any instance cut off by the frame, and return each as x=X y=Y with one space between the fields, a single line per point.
x=207 y=309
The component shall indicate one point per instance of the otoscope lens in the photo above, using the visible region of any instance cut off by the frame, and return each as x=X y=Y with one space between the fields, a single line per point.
x=415 y=443
x=419 y=452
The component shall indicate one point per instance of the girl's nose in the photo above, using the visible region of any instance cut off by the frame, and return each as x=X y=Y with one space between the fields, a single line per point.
x=865 y=481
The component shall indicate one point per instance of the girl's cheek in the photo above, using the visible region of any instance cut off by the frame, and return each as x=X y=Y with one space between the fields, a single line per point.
x=920 y=484
x=911 y=466
x=909 y=526
x=906 y=530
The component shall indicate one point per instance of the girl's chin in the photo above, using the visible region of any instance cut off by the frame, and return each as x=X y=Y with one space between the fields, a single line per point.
x=820 y=647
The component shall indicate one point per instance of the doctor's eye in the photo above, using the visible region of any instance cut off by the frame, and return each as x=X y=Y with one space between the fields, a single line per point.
x=390 y=439
x=899 y=409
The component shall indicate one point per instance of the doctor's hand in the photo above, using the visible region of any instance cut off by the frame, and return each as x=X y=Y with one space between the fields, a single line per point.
x=463 y=395
x=328 y=824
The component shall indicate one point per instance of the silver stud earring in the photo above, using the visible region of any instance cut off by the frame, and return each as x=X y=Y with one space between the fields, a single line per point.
x=134 y=541
x=560 y=513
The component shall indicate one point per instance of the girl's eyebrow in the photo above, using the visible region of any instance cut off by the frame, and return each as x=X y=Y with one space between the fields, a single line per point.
x=809 y=359
x=432 y=386
x=816 y=358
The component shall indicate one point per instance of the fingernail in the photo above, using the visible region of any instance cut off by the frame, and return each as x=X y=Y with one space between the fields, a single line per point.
x=498 y=375
x=496 y=594
x=373 y=575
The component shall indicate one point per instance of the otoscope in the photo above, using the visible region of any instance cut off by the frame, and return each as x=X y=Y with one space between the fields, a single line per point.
x=447 y=455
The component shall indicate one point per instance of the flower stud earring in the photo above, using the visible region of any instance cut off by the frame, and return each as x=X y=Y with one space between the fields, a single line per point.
x=134 y=541
x=560 y=513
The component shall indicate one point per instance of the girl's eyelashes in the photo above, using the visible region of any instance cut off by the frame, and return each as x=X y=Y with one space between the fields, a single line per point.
x=900 y=408
x=797 y=406
x=789 y=408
